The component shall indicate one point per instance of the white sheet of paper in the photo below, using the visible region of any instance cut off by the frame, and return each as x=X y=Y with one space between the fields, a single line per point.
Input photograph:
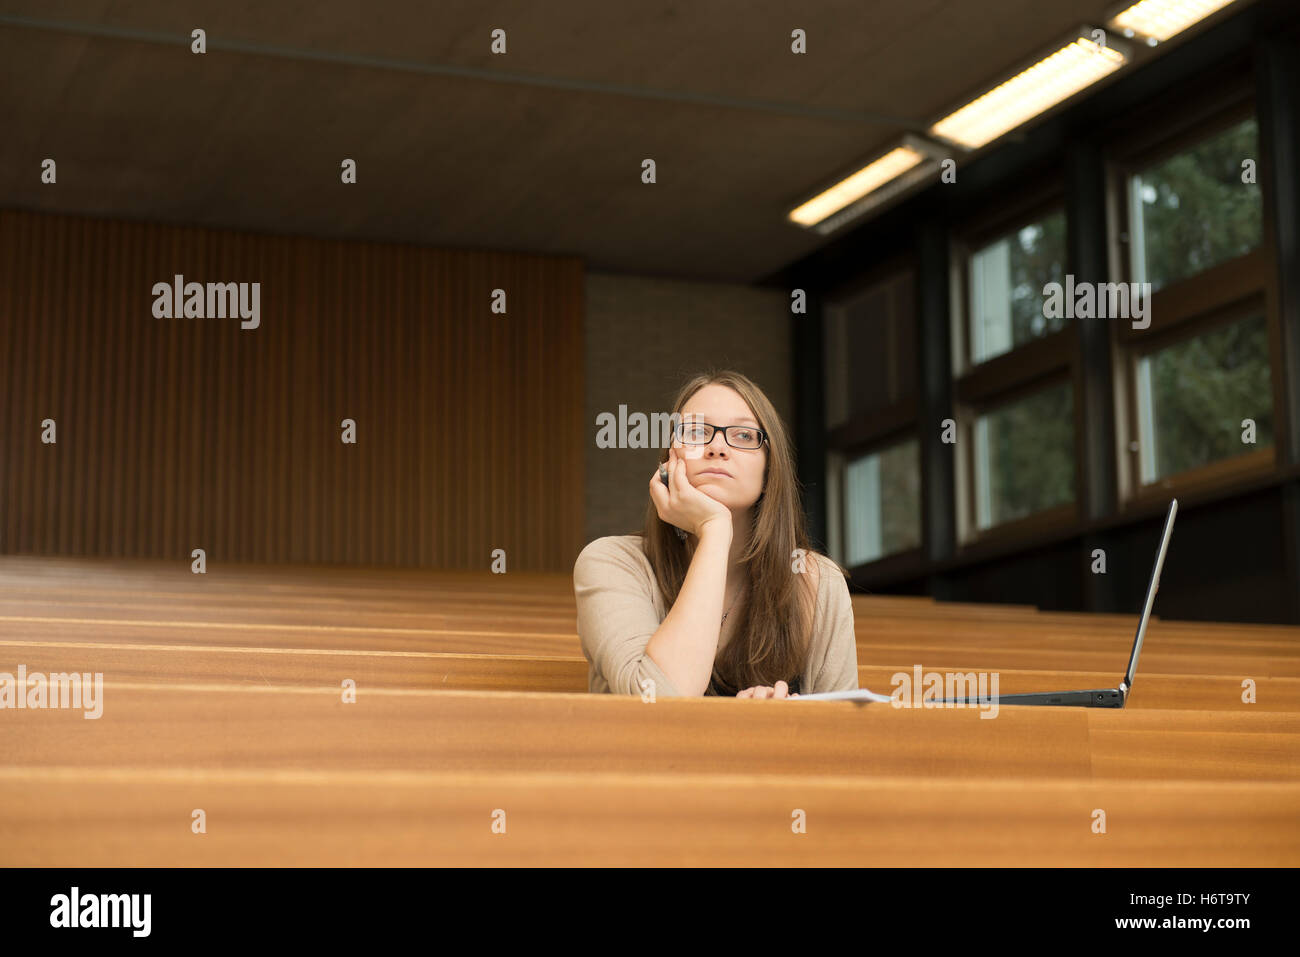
x=859 y=694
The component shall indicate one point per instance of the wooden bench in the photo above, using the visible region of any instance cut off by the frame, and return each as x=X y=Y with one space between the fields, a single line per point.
x=224 y=693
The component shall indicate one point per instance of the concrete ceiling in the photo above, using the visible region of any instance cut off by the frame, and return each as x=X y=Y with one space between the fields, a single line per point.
x=539 y=150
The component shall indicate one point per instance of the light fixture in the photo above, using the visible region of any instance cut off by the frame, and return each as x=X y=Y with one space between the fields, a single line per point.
x=1158 y=20
x=1080 y=62
x=905 y=164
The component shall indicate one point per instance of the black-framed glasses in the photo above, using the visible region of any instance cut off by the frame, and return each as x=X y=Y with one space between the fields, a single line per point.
x=737 y=436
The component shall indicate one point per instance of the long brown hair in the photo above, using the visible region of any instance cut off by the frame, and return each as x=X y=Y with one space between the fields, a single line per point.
x=775 y=627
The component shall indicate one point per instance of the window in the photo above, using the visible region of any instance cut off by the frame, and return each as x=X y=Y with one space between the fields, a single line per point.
x=882 y=503
x=873 y=457
x=1006 y=286
x=1024 y=456
x=1193 y=210
x=1198 y=383
x=870 y=358
x=1013 y=369
x=1194 y=396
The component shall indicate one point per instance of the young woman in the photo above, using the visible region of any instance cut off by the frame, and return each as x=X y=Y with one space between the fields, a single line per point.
x=721 y=593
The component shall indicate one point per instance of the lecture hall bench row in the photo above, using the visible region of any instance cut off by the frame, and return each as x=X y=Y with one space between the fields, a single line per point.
x=224 y=695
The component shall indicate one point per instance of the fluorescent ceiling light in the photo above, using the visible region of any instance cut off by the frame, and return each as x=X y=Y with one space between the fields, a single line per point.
x=913 y=159
x=1032 y=91
x=852 y=188
x=1161 y=19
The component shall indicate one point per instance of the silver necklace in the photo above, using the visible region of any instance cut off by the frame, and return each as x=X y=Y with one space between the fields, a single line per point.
x=733 y=605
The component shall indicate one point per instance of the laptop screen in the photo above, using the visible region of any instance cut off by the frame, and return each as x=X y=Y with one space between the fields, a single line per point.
x=1151 y=594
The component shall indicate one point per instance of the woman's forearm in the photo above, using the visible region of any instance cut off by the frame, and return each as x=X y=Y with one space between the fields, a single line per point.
x=686 y=641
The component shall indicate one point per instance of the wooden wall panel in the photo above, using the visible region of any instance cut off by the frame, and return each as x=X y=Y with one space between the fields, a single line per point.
x=182 y=433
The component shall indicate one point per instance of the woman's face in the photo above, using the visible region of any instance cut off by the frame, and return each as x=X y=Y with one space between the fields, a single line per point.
x=743 y=483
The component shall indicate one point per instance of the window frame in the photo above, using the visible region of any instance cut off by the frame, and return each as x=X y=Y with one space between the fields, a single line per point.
x=875 y=430
x=1021 y=371
x=1193 y=305
x=1212 y=473
x=855 y=430
x=968 y=413
x=1041 y=198
x=904 y=558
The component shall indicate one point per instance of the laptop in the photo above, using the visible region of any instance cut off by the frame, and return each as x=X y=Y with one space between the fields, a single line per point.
x=1094 y=698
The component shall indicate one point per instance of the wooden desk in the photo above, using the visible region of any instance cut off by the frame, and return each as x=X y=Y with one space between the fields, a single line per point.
x=224 y=694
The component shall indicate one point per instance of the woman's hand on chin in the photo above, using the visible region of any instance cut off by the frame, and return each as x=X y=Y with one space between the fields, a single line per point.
x=681 y=504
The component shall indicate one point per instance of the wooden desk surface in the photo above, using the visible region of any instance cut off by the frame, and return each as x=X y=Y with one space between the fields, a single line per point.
x=224 y=694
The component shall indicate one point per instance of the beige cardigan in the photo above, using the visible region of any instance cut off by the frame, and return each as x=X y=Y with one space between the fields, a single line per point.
x=620 y=606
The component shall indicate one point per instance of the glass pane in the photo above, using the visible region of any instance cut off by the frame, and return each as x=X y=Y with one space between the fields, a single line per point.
x=882 y=502
x=1024 y=456
x=1193 y=397
x=1006 y=287
x=869 y=356
x=1192 y=210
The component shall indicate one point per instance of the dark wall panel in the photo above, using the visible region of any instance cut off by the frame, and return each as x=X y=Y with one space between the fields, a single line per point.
x=1046 y=577
x=1224 y=562
x=182 y=433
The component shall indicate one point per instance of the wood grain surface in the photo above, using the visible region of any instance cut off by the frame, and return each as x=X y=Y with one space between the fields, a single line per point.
x=224 y=693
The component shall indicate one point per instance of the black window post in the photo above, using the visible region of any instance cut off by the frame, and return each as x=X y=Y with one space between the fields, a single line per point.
x=810 y=410
x=934 y=403
x=1277 y=74
x=1085 y=224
